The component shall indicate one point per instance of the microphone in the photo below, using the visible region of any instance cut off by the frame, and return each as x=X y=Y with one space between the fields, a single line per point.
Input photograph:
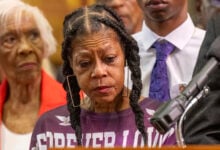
x=169 y=112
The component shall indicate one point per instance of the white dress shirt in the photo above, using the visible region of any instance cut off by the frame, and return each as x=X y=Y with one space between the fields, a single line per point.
x=180 y=64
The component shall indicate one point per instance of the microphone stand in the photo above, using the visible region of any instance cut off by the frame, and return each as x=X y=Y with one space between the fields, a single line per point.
x=179 y=123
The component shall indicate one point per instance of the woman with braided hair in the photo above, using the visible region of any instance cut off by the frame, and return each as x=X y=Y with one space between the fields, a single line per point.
x=95 y=51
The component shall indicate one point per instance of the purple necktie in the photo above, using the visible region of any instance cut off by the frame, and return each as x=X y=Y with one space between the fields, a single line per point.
x=159 y=85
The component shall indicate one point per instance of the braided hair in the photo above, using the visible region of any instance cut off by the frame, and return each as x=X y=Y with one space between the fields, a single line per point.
x=92 y=19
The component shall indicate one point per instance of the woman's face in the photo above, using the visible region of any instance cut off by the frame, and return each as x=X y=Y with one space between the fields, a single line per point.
x=21 y=49
x=98 y=64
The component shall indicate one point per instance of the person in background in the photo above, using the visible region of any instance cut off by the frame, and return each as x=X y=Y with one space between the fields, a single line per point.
x=95 y=50
x=204 y=10
x=26 y=91
x=208 y=11
x=128 y=11
x=167 y=24
x=209 y=21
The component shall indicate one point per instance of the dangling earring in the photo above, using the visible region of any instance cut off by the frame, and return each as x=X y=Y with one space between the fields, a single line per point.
x=126 y=91
x=70 y=91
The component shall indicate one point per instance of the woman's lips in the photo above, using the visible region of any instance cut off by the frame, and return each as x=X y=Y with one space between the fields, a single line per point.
x=27 y=66
x=103 y=89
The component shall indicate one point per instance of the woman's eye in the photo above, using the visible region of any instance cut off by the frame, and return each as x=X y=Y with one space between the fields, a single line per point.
x=110 y=59
x=84 y=64
x=9 y=41
x=34 y=35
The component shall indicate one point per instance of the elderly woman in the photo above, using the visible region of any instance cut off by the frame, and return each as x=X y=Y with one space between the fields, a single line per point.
x=26 y=91
x=96 y=48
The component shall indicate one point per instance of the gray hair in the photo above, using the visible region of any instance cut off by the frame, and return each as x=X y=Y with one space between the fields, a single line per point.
x=15 y=8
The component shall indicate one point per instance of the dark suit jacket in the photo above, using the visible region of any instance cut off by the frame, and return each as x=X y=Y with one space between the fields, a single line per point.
x=202 y=123
x=213 y=30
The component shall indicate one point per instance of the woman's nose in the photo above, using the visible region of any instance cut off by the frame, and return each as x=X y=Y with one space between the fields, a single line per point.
x=99 y=70
x=25 y=46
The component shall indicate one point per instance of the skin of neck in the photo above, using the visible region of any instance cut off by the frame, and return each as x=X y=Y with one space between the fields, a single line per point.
x=20 y=111
x=121 y=102
x=23 y=93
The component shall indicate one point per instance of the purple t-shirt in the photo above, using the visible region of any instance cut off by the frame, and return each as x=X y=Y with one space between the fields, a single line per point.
x=53 y=129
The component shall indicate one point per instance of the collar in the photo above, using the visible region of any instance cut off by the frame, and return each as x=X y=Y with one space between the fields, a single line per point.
x=3 y=89
x=178 y=37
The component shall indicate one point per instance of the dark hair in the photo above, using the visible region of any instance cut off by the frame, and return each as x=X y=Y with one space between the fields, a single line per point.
x=89 y=20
